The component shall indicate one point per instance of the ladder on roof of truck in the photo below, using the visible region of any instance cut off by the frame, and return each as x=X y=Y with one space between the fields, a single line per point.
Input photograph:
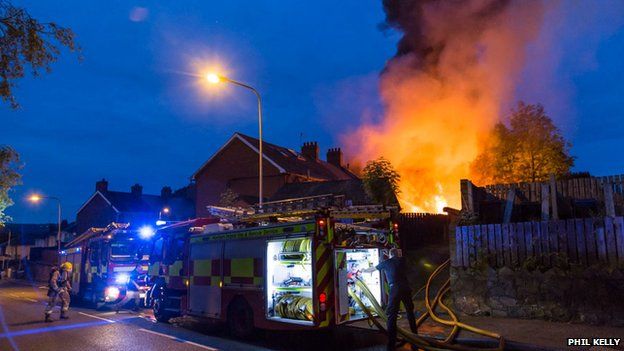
x=303 y=207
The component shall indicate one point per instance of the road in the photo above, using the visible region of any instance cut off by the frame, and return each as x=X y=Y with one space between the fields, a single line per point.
x=23 y=329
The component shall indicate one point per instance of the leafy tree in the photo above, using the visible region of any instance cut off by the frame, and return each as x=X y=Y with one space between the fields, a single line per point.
x=381 y=181
x=529 y=150
x=26 y=41
x=9 y=164
x=228 y=198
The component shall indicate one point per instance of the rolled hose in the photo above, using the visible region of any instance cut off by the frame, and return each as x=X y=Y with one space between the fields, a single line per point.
x=294 y=307
x=421 y=342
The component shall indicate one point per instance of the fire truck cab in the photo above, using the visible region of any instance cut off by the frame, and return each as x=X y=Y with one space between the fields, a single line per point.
x=277 y=269
x=104 y=260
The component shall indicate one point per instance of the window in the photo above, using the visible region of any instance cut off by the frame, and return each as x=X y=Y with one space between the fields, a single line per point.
x=94 y=249
x=157 y=250
x=175 y=250
x=123 y=251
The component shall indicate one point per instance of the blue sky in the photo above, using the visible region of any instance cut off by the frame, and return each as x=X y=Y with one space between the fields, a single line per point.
x=132 y=111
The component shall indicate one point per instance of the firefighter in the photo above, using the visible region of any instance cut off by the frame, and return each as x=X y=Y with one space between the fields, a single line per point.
x=59 y=287
x=395 y=272
x=133 y=285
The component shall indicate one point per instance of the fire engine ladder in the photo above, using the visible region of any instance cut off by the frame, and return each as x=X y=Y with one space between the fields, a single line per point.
x=333 y=205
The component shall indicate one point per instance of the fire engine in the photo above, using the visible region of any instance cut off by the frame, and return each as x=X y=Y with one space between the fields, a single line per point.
x=104 y=260
x=286 y=266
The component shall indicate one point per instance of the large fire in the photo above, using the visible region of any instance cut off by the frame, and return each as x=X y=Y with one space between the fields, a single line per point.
x=456 y=66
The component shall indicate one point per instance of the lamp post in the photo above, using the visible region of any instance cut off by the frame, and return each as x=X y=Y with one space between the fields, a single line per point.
x=165 y=210
x=214 y=79
x=36 y=199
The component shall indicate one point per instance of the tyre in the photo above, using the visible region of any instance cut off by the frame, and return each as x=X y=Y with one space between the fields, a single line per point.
x=240 y=319
x=160 y=305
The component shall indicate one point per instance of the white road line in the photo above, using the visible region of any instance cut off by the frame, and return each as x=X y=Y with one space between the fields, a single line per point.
x=92 y=316
x=15 y=296
x=179 y=340
x=107 y=313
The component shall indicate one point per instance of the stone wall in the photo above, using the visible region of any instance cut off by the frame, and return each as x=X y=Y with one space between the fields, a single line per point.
x=593 y=295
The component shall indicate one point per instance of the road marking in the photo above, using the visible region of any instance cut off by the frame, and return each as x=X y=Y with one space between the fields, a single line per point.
x=179 y=340
x=107 y=313
x=15 y=296
x=92 y=316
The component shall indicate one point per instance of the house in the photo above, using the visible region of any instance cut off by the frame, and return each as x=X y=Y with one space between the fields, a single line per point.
x=234 y=168
x=106 y=206
x=17 y=239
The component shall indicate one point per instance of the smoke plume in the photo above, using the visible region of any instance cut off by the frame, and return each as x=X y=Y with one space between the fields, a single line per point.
x=456 y=65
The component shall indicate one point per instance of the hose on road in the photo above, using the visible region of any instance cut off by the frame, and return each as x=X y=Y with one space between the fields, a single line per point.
x=431 y=306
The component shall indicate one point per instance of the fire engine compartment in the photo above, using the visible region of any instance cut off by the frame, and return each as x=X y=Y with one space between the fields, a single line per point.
x=355 y=260
x=289 y=280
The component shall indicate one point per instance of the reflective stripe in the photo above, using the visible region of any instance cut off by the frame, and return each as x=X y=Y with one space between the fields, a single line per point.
x=174 y=269
x=324 y=282
x=242 y=267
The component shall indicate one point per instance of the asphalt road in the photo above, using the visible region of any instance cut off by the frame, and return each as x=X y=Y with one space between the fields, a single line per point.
x=23 y=329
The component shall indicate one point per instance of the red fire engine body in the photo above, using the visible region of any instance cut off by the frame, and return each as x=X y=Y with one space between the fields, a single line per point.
x=103 y=260
x=292 y=274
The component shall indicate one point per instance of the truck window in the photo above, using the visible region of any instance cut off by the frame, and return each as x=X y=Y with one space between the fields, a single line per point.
x=94 y=253
x=175 y=250
x=123 y=250
x=157 y=250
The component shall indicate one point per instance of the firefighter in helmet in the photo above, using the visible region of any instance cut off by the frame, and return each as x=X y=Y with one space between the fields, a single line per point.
x=59 y=287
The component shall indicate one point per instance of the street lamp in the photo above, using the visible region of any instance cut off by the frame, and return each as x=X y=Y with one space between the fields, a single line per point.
x=214 y=79
x=36 y=198
x=165 y=210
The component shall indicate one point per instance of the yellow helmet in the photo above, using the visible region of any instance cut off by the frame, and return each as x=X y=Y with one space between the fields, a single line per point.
x=67 y=266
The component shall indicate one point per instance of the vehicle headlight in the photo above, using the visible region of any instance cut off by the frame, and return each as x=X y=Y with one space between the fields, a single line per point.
x=111 y=293
x=122 y=278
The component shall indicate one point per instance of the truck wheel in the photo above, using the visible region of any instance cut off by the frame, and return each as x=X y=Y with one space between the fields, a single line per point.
x=160 y=313
x=240 y=319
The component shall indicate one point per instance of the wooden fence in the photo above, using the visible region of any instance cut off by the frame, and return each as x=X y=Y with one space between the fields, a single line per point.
x=576 y=188
x=420 y=229
x=585 y=241
x=550 y=200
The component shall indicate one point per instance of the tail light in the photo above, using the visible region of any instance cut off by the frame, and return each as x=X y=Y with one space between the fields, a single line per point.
x=322 y=301
x=322 y=227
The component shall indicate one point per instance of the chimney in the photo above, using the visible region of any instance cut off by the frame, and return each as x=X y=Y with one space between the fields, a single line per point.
x=310 y=150
x=101 y=185
x=334 y=157
x=165 y=192
x=136 y=190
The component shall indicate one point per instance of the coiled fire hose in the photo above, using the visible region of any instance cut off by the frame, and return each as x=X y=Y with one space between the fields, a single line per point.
x=422 y=342
x=294 y=307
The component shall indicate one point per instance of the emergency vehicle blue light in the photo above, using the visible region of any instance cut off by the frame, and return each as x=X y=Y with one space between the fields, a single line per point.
x=160 y=222
x=146 y=232
x=122 y=278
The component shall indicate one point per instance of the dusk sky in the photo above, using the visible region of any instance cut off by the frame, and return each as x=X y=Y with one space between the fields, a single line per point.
x=132 y=110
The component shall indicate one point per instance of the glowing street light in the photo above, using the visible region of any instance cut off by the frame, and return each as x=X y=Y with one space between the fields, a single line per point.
x=214 y=78
x=35 y=199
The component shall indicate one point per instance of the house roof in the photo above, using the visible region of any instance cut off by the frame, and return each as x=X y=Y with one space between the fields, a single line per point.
x=288 y=161
x=181 y=206
x=352 y=189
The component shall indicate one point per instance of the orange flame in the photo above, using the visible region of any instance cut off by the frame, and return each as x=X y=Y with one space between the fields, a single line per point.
x=437 y=115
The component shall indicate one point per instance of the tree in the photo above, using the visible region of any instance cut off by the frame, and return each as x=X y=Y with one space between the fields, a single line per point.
x=228 y=198
x=25 y=41
x=9 y=164
x=529 y=150
x=381 y=181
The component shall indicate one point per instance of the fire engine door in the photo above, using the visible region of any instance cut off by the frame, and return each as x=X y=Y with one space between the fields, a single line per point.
x=205 y=279
x=349 y=266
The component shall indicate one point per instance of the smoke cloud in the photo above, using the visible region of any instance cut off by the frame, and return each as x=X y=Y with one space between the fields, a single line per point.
x=456 y=65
